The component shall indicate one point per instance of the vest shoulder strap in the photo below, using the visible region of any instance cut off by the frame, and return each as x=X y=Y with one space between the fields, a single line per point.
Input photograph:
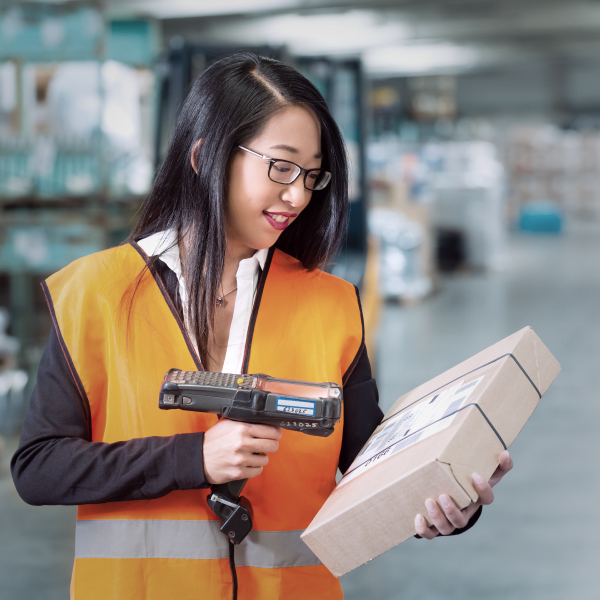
x=313 y=312
x=106 y=274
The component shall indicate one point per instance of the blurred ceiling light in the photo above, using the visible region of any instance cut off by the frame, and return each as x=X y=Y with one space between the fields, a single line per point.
x=348 y=32
x=196 y=8
x=423 y=59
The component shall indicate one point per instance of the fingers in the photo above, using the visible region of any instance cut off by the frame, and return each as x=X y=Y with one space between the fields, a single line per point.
x=258 y=438
x=505 y=460
x=446 y=516
x=505 y=465
x=470 y=510
x=250 y=460
x=257 y=446
x=425 y=532
x=265 y=432
x=483 y=488
x=250 y=472
x=438 y=518
x=453 y=514
x=234 y=450
x=239 y=466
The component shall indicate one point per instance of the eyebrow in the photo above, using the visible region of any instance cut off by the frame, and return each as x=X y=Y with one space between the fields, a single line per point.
x=290 y=149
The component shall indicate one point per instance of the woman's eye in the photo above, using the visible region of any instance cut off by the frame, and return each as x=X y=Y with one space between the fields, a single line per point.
x=314 y=175
x=281 y=168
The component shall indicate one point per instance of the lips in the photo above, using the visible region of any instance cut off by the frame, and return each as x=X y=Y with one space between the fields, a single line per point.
x=278 y=220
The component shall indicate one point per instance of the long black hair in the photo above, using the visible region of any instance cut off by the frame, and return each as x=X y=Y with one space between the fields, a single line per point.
x=229 y=104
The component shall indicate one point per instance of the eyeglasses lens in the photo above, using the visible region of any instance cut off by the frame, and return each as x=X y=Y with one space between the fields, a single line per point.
x=285 y=172
x=317 y=180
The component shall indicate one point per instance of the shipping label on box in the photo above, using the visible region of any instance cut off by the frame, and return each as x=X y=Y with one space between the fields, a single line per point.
x=429 y=443
x=412 y=424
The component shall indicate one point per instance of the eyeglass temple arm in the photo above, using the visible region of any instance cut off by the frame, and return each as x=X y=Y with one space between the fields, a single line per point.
x=300 y=172
x=255 y=153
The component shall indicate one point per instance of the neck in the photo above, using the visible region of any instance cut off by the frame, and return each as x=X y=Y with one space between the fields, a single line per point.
x=233 y=255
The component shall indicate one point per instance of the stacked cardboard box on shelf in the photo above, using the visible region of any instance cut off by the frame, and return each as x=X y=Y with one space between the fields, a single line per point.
x=406 y=244
x=429 y=443
x=563 y=167
x=455 y=188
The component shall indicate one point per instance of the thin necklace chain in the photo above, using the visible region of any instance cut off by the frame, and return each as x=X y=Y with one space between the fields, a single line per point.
x=220 y=298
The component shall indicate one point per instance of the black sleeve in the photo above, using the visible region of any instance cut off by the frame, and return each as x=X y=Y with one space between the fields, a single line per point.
x=361 y=417
x=361 y=410
x=57 y=463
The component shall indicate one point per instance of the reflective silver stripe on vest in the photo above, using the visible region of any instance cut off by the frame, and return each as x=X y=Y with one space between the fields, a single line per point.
x=126 y=538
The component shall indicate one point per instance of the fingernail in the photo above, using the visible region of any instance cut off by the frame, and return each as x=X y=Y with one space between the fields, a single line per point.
x=445 y=500
x=420 y=520
x=430 y=504
x=477 y=478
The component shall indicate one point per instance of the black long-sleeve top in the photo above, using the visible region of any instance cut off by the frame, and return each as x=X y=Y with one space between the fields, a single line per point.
x=57 y=463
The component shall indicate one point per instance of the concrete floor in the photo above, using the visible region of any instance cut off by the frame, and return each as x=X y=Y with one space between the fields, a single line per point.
x=540 y=538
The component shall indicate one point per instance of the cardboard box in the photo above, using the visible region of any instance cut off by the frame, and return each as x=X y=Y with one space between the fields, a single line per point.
x=429 y=443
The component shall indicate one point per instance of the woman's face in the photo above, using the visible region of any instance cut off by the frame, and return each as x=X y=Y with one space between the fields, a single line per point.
x=258 y=209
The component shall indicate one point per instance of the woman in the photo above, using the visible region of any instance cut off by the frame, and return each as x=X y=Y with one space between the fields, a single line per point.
x=221 y=273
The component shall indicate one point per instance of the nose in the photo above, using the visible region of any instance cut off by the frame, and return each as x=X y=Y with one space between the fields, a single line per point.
x=295 y=194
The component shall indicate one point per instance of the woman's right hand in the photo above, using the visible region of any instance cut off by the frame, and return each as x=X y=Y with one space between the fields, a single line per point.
x=234 y=450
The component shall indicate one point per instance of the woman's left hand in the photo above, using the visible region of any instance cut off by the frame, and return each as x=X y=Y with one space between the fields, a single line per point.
x=446 y=517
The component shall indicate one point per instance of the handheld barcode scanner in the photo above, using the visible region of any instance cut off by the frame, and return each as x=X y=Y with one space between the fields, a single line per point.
x=311 y=408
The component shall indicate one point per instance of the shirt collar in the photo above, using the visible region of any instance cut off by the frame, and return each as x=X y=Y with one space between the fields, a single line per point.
x=261 y=255
x=166 y=242
x=248 y=267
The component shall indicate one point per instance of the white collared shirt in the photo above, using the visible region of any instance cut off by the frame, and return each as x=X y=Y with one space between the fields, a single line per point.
x=247 y=282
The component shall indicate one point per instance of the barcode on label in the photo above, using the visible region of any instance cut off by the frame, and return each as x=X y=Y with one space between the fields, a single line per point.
x=454 y=406
x=467 y=386
x=411 y=439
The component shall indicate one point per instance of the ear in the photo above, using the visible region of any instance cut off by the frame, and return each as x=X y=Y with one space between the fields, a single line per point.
x=195 y=153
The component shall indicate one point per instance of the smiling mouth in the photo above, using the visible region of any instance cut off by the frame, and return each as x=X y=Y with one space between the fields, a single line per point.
x=278 y=220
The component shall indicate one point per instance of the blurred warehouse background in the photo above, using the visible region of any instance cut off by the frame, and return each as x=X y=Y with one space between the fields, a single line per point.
x=473 y=129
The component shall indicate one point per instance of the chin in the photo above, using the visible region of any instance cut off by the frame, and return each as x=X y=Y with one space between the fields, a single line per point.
x=263 y=242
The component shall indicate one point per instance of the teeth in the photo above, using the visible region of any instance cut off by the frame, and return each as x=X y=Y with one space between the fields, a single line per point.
x=278 y=218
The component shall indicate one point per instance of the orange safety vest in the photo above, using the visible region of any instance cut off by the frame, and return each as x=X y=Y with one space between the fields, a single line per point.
x=305 y=325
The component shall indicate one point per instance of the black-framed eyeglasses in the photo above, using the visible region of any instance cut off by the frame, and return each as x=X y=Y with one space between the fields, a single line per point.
x=286 y=172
